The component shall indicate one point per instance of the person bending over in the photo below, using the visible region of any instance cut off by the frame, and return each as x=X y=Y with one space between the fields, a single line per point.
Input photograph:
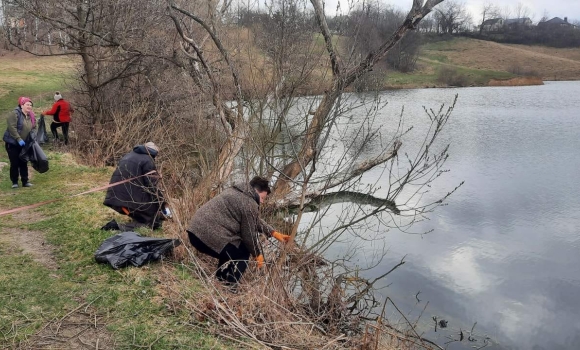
x=139 y=198
x=61 y=112
x=227 y=227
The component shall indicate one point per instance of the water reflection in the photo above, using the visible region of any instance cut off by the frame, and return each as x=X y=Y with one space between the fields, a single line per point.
x=505 y=250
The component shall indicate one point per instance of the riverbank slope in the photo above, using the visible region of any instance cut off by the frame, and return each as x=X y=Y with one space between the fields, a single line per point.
x=480 y=63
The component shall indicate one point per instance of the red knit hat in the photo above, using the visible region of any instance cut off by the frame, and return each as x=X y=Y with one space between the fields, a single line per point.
x=22 y=100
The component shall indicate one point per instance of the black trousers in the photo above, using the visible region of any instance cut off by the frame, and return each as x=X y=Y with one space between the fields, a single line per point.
x=139 y=219
x=54 y=126
x=17 y=165
x=232 y=261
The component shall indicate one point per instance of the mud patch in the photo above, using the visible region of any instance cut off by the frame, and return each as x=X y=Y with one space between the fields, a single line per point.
x=82 y=328
x=34 y=244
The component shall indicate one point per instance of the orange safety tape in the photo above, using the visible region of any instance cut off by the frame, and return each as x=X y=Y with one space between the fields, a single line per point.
x=74 y=195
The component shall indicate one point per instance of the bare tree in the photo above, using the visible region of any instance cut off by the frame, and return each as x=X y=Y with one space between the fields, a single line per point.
x=100 y=33
x=428 y=24
x=545 y=16
x=488 y=11
x=521 y=10
x=367 y=27
x=451 y=17
x=506 y=12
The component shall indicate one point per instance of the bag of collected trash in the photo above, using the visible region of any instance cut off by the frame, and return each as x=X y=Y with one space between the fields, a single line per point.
x=130 y=248
x=41 y=135
x=33 y=153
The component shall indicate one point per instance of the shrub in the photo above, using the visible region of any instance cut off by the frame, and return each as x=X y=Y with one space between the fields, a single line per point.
x=452 y=77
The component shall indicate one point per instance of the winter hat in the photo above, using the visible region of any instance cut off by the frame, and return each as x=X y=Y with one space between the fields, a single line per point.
x=22 y=100
x=57 y=96
x=152 y=146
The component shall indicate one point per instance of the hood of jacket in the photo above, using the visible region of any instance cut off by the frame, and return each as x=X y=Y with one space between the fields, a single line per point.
x=141 y=149
x=248 y=190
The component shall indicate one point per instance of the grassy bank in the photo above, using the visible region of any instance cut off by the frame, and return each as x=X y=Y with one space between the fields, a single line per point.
x=53 y=293
x=507 y=59
x=485 y=63
x=37 y=77
x=50 y=282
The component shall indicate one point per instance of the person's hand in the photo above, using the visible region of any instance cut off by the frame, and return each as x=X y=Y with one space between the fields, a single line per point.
x=280 y=236
x=21 y=143
x=259 y=261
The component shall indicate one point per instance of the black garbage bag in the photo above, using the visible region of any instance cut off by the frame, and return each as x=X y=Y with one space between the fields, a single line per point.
x=130 y=248
x=41 y=135
x=33 y=153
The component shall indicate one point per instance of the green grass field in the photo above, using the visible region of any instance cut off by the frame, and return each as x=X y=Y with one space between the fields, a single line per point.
x=52 y=291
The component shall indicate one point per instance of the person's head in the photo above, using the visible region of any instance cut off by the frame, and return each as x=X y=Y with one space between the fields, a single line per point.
x=261 y=186
x=57 y=96
x=25 y=104
x=152 y=147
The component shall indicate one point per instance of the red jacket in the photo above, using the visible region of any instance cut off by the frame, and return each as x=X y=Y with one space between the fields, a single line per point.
x=61 y=111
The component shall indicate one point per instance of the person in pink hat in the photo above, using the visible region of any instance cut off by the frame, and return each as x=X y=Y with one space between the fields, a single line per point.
x=19 y=125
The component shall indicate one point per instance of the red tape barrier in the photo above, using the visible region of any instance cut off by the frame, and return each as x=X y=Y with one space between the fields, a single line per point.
x=31 y=206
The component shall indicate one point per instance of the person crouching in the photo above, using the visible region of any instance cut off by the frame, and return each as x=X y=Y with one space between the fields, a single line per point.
x=227 y=227
x=139 y=198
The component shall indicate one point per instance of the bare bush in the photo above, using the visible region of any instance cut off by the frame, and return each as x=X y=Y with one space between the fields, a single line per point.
x=300 y=304
x=518 y=69
x=452 y=77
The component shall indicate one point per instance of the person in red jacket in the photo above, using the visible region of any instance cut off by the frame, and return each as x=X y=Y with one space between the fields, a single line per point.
x=61 y=112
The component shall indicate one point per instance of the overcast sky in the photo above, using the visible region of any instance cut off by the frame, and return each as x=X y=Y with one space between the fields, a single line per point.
x=536 y=8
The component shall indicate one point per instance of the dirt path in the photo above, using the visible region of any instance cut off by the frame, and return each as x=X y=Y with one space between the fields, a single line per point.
x=81 y=328
x=29 y=242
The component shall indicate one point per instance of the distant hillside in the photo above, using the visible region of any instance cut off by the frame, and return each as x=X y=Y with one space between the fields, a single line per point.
x=548 y=63
x=471 y=62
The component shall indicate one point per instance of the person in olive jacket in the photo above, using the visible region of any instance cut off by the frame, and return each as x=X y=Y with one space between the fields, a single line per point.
x=139 y=198
x=19 y=125
x=227 y=227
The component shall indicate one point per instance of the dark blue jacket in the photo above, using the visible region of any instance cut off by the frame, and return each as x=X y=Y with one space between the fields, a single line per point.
x=140 y=194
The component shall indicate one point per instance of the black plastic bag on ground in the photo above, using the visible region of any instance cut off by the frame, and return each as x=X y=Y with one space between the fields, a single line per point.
x=130 y=248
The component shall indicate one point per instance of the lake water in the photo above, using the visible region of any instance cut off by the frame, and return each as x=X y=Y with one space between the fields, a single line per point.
x=505 y=251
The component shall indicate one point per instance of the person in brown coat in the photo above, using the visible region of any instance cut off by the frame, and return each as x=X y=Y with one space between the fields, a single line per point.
x=227 y=227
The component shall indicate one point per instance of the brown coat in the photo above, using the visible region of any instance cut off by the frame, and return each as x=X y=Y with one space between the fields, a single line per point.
x=231 y=217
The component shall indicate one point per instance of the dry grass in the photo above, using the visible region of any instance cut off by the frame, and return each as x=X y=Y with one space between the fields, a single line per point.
x=522 y=81
x=550 y=63
x=265 y=312
x=567 y=53
x=19 y=61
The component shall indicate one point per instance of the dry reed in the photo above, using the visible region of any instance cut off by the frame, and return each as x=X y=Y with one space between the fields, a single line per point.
x=519 y=81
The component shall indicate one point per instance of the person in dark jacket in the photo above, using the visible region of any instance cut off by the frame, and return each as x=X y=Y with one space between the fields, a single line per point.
x=19 y=125
x=139 y=198
x=227 y=227
x=61 y=112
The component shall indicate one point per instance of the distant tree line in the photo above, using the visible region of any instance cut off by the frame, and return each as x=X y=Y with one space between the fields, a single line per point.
x=363 y=29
